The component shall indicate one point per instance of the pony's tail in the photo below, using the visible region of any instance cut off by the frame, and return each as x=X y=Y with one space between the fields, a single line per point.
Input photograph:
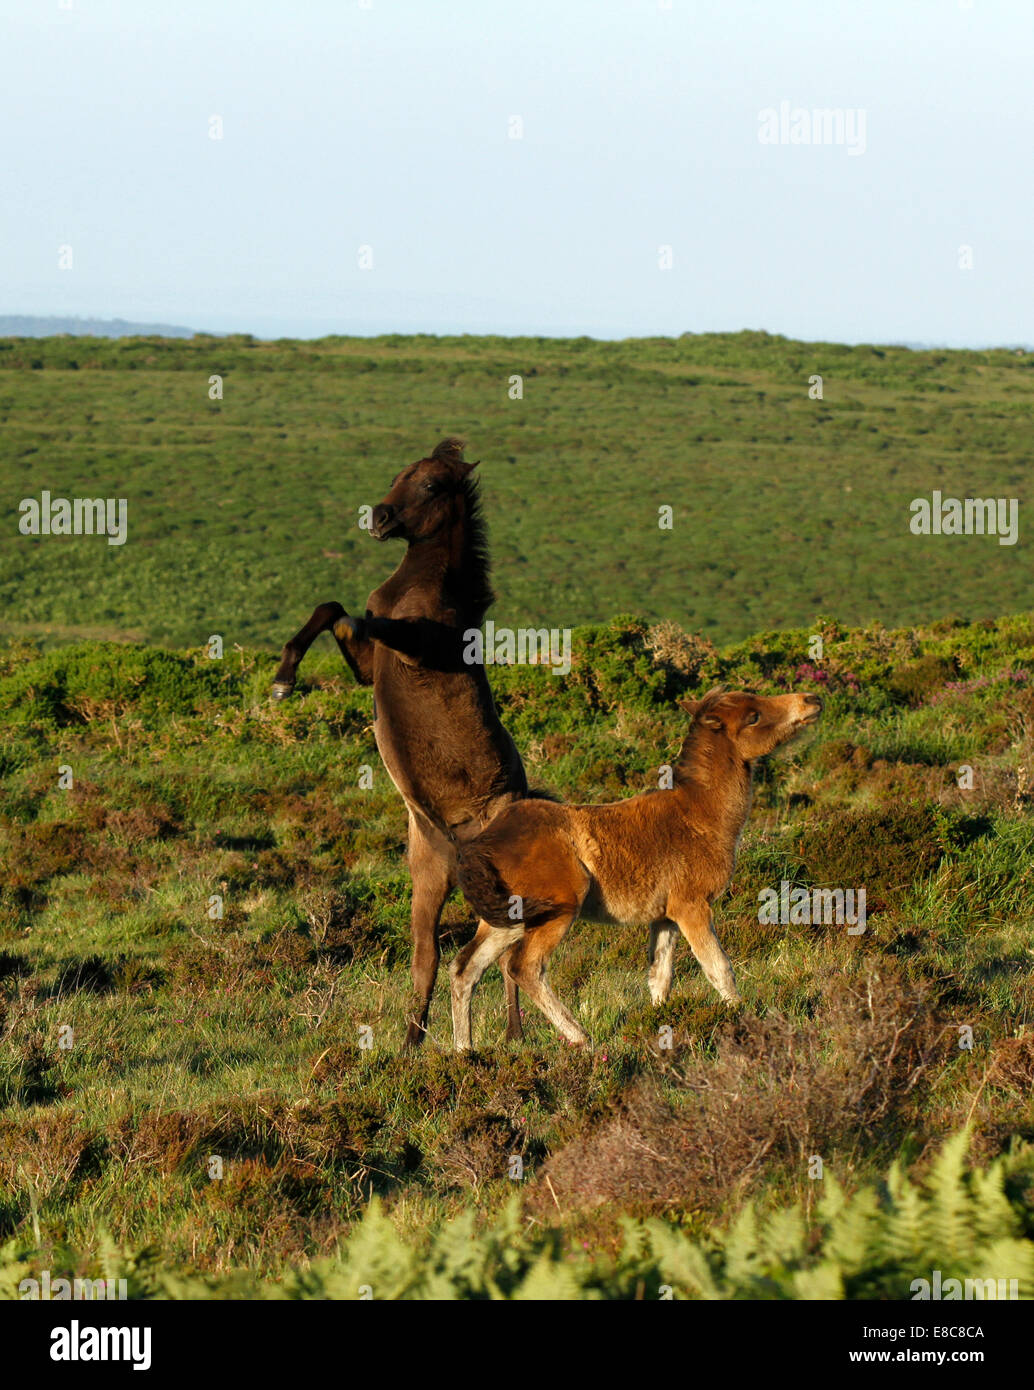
x=482 y=885
x=540 y=794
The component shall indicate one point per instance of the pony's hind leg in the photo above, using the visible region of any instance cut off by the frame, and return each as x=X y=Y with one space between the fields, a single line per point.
x=431 y=870
x=662 y=958
x=514 y=1026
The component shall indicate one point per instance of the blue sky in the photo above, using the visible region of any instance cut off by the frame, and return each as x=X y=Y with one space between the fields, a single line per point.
x=388 y=127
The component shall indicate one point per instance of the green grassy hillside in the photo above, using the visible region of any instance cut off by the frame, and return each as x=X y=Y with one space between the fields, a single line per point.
x=196 y=1038
x=243 y=511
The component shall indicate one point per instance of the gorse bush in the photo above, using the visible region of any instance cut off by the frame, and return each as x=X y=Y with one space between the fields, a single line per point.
x=105 y=680
x=914 y=682
x=622 y=665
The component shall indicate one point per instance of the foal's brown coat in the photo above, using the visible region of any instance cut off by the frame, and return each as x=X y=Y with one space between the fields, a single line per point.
x=434 y=719
x=661 y=857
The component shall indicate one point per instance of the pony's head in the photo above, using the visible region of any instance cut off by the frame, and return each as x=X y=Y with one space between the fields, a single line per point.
x=423 y=497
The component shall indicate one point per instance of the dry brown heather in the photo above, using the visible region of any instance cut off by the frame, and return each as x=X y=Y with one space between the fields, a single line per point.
x=775 y=1089
x=239 y=1037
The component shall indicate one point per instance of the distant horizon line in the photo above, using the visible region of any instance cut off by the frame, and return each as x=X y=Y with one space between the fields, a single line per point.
x=131 y=328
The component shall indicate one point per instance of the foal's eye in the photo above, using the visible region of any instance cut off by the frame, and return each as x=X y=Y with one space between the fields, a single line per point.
x=753 y=717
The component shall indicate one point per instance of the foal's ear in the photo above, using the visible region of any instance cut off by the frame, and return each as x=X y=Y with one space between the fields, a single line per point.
x=693 y=707
x=467 y=467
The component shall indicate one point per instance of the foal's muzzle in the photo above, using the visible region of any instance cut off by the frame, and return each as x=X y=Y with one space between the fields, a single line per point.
x=814 y=703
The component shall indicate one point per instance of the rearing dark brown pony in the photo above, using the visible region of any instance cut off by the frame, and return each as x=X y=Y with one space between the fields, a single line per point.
x=434 y=718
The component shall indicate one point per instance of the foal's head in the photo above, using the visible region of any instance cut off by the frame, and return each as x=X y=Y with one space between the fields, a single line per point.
x=751 y=725
x=423 y=499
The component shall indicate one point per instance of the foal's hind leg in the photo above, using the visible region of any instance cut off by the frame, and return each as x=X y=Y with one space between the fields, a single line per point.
x=469 y=965
x=432 y=872
x=323 y=617
x=527 y=964
x=662 y=956
x=697 y=926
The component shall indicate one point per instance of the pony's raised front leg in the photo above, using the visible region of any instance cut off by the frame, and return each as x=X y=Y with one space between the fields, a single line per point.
x=435 y=645
x=327 y=615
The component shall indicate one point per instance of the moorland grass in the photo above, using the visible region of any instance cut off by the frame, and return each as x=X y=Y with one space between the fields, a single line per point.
x=240 y=1038
x=243 y=511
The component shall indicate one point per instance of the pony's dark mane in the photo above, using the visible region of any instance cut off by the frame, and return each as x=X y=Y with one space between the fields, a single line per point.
x=473 y=578
x=476 y=565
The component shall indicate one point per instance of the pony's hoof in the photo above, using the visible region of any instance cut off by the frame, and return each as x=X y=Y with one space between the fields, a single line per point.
x=346 y=628
x=281 y=689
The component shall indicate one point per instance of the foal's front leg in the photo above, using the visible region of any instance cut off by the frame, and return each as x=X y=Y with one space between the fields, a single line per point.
x=356 y=653
x=514 y=1025
x=697 y=925
x=662 y=957
x=528 y=967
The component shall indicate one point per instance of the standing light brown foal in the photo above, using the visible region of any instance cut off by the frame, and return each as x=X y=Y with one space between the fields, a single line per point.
x=661 y=857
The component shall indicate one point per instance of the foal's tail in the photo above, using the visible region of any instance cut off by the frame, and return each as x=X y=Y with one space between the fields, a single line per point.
x=491 y=898
x=480 y=880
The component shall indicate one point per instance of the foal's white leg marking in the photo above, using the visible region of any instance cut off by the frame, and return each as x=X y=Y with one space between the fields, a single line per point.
x=489 y=944
x=662 y=959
